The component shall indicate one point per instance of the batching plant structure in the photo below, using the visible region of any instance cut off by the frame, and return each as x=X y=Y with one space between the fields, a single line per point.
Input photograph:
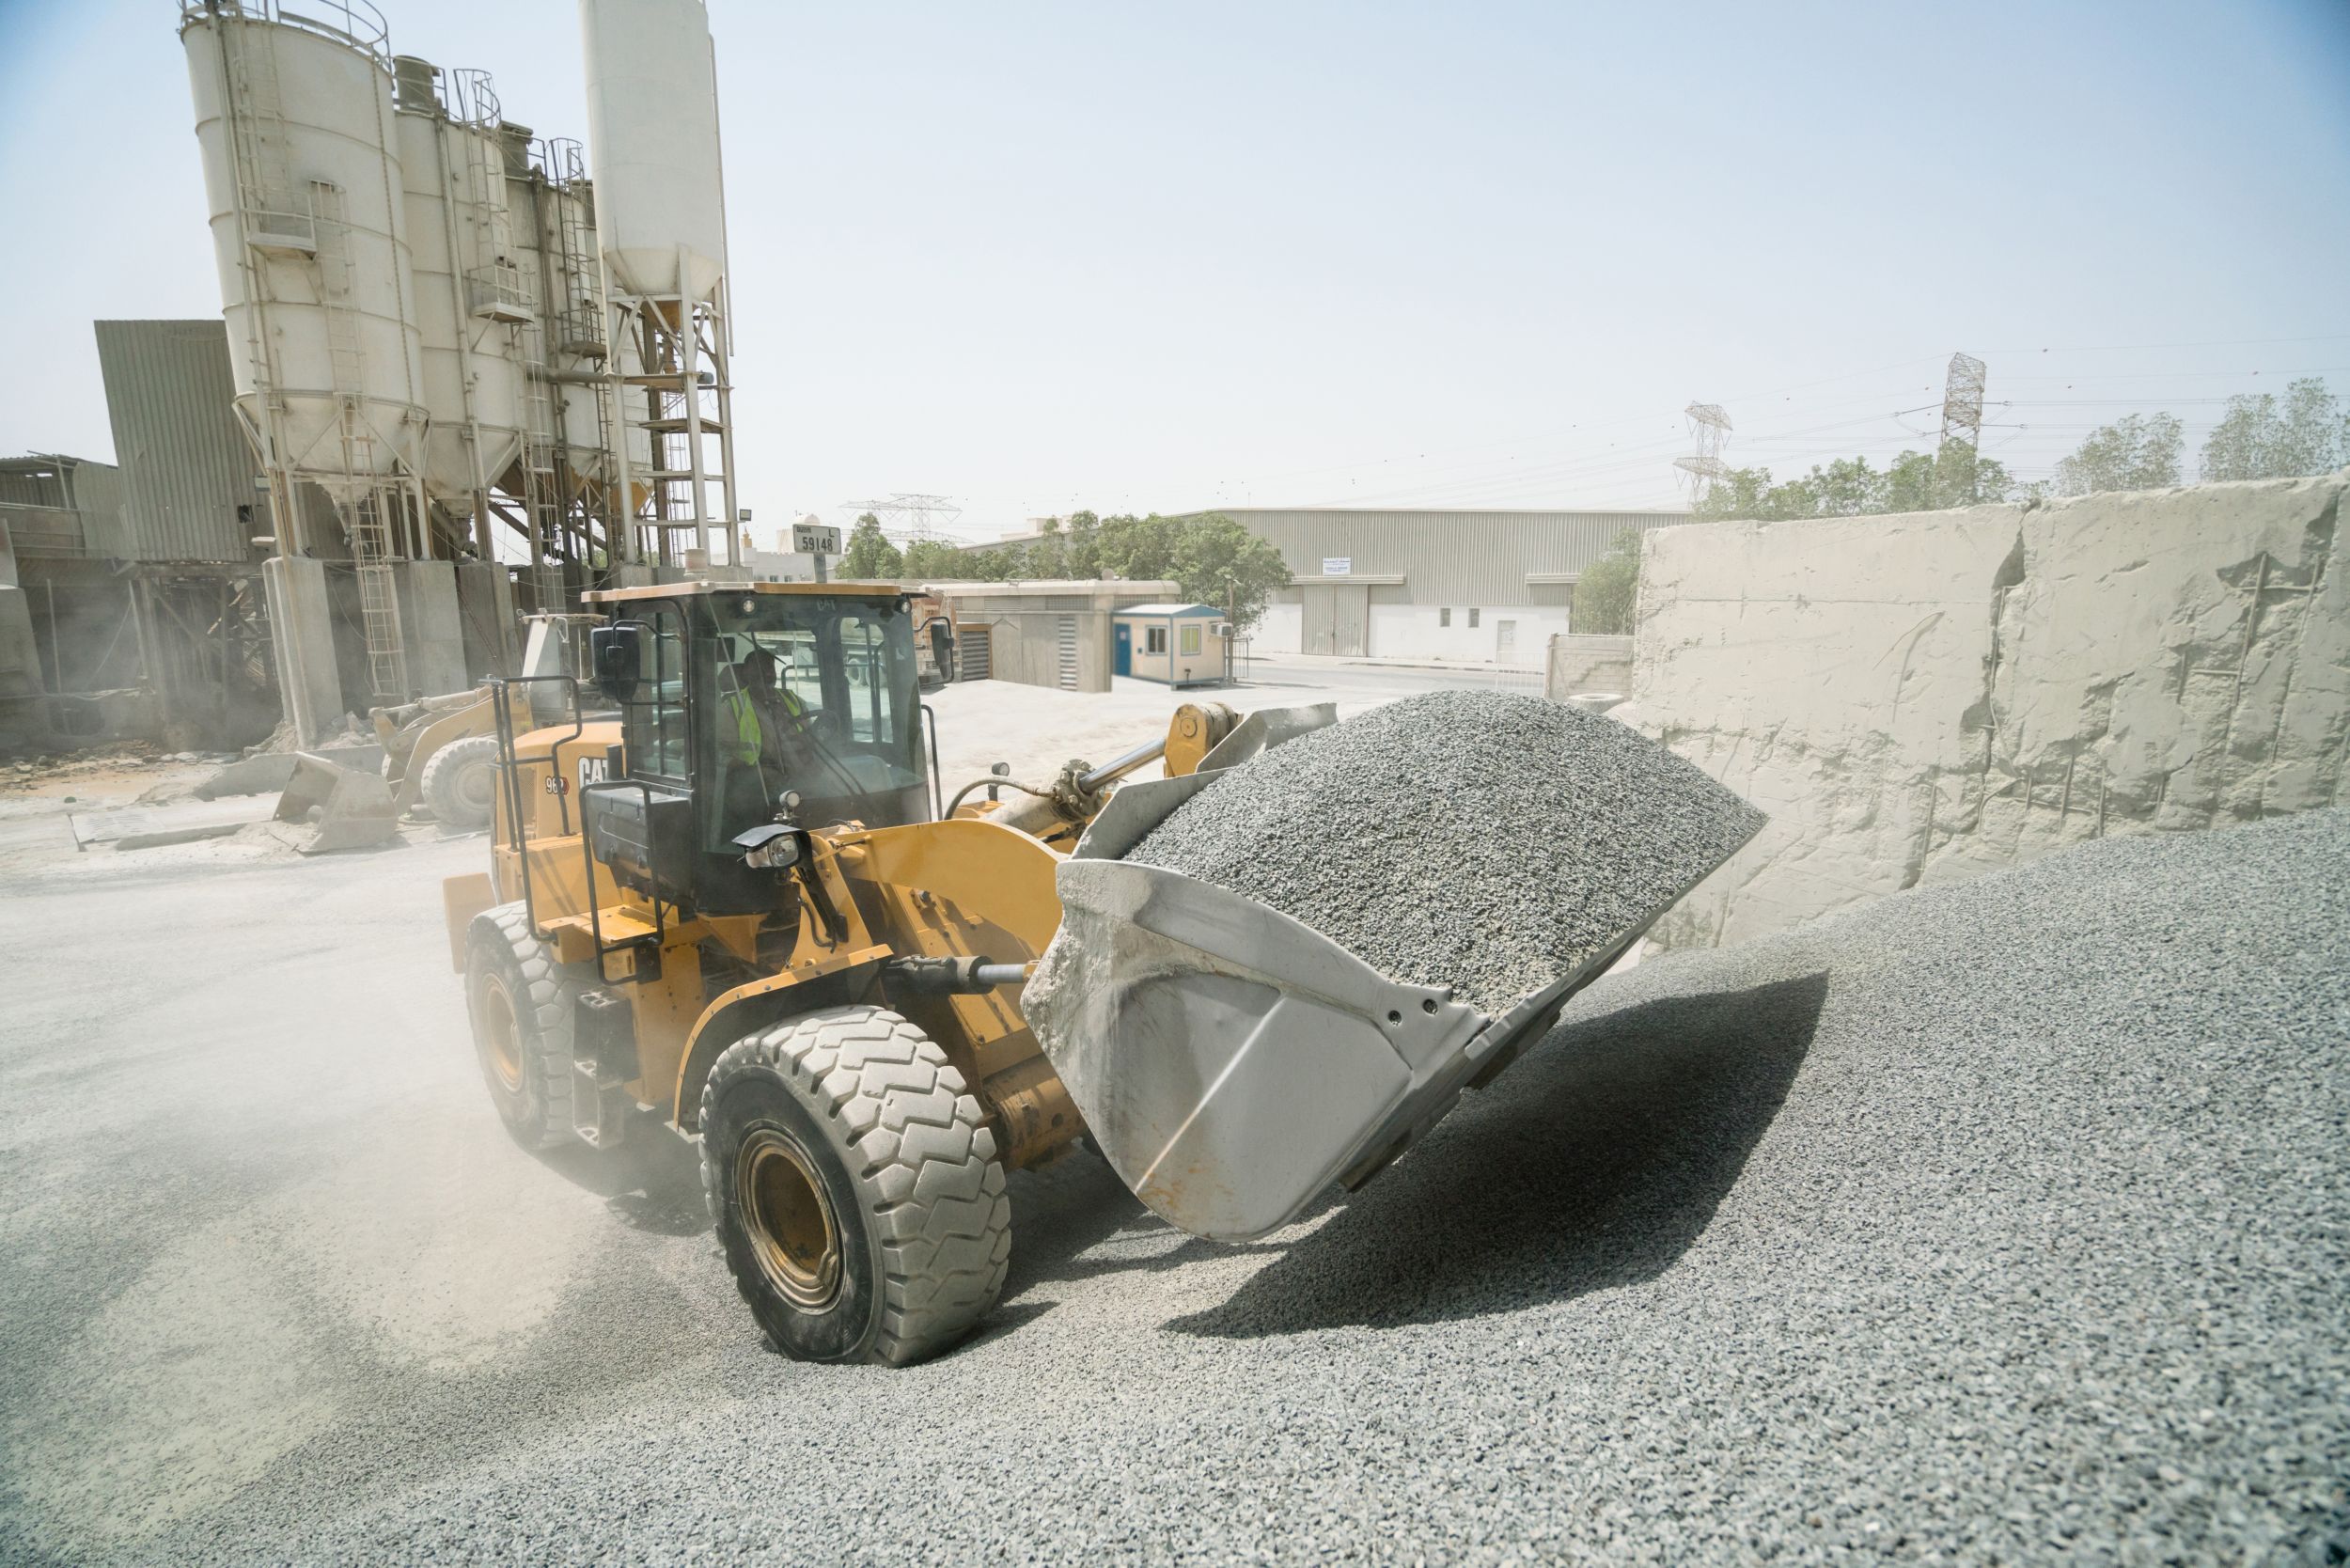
x=653 y=126
x=515 y=346
x=424 y=354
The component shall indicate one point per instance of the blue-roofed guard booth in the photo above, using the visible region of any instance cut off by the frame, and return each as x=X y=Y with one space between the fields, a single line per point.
x=1180 y=645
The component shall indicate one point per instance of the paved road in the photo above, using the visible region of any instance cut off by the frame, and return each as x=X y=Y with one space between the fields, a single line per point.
x=1381 y=682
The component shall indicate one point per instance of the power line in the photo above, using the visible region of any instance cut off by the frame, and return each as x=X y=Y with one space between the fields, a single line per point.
x=1483 y=482
x=2206 y=343
x=1709 y=430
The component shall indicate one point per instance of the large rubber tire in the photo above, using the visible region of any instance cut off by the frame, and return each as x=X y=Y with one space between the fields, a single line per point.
x=848 y=1133
x=459 y=782
x=521 y=1003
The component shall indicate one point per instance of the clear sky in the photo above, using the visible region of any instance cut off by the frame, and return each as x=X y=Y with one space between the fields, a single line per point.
x=1132 y=256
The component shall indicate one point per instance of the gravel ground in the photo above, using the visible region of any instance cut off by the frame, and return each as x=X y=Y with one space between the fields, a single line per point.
x=1484 y=840
x=2003 y=1222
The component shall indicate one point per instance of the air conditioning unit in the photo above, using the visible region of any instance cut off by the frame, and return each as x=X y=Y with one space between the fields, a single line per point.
x=1222 y=629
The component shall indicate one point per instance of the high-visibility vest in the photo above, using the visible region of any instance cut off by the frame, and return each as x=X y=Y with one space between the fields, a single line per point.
x=746 y=726
x=746 y=729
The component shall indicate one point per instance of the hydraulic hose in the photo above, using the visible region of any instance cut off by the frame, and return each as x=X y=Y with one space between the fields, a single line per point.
x=983 y=783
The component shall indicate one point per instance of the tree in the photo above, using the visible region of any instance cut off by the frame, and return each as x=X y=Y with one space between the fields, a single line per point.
x=1219 y=562
x=1610 y=587
x=1911 y=483
x=868 y=554
x=1140 y=548
x=2133 y=453
x=1084 y=532
x=2258 y=439
x=1215 y=560
x=1048 y=553
x=935 y=560
x=1000 y=563
x=1850 y=488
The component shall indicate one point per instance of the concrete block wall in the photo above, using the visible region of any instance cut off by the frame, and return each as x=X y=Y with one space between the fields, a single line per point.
x=1511 y=635
x=1923 y=697
x=1587 y=663
x=1406 y=630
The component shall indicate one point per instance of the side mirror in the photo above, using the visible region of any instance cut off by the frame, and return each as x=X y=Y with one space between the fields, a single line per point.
x=942 y=646
x=614 y=652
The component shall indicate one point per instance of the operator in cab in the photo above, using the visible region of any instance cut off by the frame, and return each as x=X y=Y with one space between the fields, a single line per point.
x=763 y=739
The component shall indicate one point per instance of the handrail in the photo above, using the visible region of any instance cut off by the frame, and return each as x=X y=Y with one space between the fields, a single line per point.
x=938 y=812
x=470 y=98
x=502 y=708
x=362 y=26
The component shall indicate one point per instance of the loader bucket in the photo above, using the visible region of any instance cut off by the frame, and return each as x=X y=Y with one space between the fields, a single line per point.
x=1234 y=1064
x=329 y=806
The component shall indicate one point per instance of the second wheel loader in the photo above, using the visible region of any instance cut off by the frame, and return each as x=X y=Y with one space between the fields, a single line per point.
x=748 y=908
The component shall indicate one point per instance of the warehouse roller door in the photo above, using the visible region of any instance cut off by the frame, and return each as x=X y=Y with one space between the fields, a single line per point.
x=1335 y=620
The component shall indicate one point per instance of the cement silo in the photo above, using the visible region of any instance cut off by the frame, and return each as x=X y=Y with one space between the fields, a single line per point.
x=471 y=304
x=653 y=121
x=294 y=119
x=574 y=404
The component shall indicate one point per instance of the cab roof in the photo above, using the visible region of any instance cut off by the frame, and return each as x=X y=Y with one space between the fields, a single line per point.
x=693 y=590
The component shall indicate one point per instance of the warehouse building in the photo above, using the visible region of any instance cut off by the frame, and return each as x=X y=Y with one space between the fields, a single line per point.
x=1473 y=585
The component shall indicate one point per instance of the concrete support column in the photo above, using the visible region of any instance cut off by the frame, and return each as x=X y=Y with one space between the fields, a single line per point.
x=485 y=600
x=432 y=629
x=302 y=636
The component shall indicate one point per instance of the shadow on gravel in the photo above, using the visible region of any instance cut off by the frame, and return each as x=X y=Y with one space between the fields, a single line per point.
x=1062 y=1212
x=1593 y=1163
x=652 y=1181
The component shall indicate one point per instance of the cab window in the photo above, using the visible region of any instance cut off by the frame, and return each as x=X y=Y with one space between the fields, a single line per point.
x=653 y=723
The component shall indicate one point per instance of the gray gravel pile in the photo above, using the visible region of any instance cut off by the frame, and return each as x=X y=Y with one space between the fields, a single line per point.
x=1484 y=840
x=2001 y=1222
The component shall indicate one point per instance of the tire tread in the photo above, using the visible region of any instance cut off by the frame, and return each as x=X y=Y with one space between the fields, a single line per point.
x=919 y=1152
x=550 y=994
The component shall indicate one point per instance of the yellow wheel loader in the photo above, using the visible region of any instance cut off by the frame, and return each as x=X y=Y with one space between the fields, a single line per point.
x=746 y=906
x=440 y=753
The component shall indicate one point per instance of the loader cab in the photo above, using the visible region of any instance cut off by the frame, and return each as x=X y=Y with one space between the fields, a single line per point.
x=743 y=704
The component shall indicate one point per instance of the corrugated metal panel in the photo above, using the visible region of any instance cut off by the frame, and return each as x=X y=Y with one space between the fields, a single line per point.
x=97 y=492
x=1446 y=558
x=61 y=506
x=186 y=468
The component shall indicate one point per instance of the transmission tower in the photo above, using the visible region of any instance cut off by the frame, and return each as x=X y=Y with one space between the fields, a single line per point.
x=907 y=517
x=1955 y=464
x=1709 y=430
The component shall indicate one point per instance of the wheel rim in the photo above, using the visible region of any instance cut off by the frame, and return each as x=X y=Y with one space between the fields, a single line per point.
x=788 y=1219
x=501 y=1034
